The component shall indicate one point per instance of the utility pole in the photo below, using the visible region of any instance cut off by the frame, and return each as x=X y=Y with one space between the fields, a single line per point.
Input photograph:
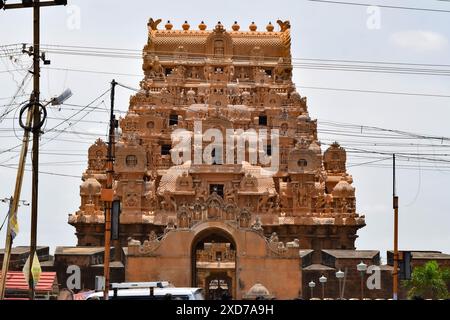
x=37 y=109
x=14 y=204
x=107 y=194
x=12 y=215
x=395 y=206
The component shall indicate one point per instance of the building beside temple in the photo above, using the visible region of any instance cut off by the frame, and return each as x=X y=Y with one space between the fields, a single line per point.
x=232 y=222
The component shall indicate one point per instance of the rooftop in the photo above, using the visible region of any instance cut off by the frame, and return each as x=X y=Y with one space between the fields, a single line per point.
x=79 y=250
x=352 y=254
x=303 y=253
x=319 y=267
x=22 y=250
x=427 y=255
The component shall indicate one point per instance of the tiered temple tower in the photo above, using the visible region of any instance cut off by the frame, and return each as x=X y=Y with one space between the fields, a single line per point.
x=225 y=80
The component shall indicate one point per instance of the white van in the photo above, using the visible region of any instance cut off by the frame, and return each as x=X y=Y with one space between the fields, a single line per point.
x=149 y=291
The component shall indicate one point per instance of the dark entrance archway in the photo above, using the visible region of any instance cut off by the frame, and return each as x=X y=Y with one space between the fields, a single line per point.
x=218 y=286
x=214 y=263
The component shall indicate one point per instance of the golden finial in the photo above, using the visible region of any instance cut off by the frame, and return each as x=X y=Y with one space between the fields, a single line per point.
x=202 y=26
x=270 y=27
x=235 y=26
x=253 y=27
x=219 y=26
x=186 y=26
x=168 y=25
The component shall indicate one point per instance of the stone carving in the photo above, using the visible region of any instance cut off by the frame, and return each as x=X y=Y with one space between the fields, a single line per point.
x=284 y=25
x=197 y=208
x=248 y=183
x=230 y=195
x=184 y=182
x=275 y=245
x=168 y=202
x=214 y=203
x=97 y=156
x=282 y=72
x=273 y=238
x=244 y=218
x=152 y=67
x=293 y=244
x=132 y=200
x=150 y=194
x=153 y=24
x=257 y=226
x=230 y=211
x=263 y=201
x=132 y=242
x=170 y=226
x=150 y=245
x=334 y=159
x=183 y=217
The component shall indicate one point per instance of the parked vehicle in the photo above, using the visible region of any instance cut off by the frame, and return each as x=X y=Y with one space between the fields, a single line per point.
x=161 y=290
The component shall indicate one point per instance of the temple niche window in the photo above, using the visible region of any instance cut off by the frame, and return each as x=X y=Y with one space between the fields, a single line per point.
x=302 y=163
x=219 y=48
x=216 y=188
x=284 y=129
x=262 y=120
x=173 y=120
x=165 y=149
x=168 y=71
x=150 y=125
x=131 y=161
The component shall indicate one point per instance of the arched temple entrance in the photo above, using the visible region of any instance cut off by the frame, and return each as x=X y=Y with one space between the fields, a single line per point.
x=214 y=263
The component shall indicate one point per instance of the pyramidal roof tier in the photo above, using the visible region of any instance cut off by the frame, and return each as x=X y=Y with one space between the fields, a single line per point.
x=220 y=42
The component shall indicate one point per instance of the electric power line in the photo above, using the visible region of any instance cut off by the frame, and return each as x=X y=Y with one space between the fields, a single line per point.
x=380 y=5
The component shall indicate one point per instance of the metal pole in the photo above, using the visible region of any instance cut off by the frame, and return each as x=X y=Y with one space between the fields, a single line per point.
x=362 y=285
x=340 y=289
x=343 y=285
x=395 y=206
x=323 y=291
x=36 y=133
x=108 y=195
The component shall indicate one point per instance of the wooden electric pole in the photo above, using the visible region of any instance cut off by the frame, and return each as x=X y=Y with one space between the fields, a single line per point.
x=36 y=109
x=14 y=204
x=108 y=193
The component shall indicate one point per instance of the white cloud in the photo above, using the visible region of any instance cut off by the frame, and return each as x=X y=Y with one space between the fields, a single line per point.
x=419 y=40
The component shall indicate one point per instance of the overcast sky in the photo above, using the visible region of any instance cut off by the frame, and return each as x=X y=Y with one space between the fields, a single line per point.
x=319 y=31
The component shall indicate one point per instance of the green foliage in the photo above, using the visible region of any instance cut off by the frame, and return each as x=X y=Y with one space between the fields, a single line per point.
x=428 y=281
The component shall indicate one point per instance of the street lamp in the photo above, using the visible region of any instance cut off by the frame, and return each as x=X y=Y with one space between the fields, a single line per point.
x=362 y=267
x=312 y=284
x=323 y=280
x=340 y=275
x=59 y=100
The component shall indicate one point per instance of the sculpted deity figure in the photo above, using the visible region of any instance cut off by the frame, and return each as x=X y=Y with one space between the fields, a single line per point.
x=152 y=67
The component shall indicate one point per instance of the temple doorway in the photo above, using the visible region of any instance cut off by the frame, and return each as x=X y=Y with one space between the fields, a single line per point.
x=214 y=264
x=218 y=286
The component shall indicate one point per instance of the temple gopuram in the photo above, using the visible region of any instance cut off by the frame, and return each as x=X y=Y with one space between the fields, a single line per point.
x=227 y=224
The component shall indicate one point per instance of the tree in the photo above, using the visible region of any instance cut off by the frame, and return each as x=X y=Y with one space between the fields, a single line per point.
x=428 y=281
